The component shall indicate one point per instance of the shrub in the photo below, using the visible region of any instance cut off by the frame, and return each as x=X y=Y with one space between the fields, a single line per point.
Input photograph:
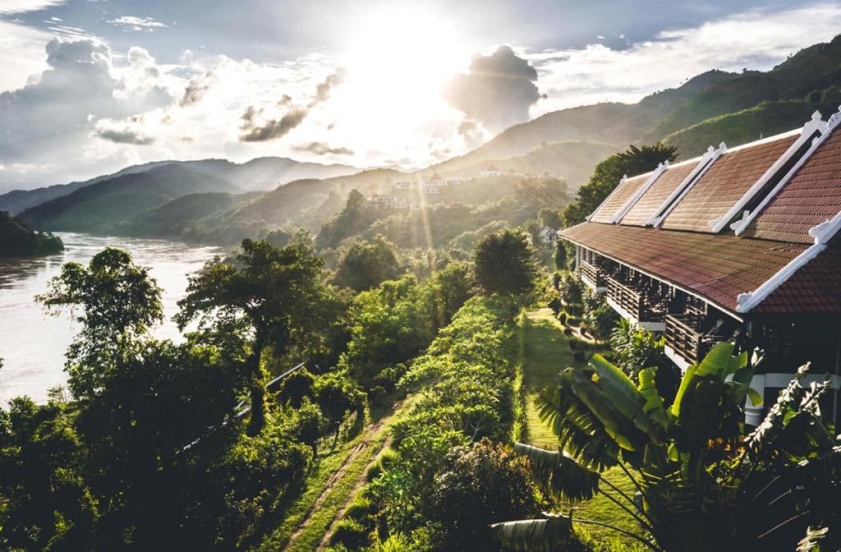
x=482 y=484
x=567 y=331
x=351 y=534
x=579 y=356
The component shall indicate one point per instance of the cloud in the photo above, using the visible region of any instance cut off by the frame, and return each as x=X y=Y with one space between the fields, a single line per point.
x=197 y=88
x=131 y=23
x=320 y=148
x=322 y=91
x=8 y=7
x=274 y=128
x=124 y=135
x=52 y=116
x=499 y=90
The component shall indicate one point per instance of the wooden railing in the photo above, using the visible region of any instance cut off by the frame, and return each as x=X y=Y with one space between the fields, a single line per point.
x=683 y=334
x=630 y=300
x=592 y=274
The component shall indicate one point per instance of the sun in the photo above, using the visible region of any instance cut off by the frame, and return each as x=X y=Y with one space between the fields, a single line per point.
x=397 y=63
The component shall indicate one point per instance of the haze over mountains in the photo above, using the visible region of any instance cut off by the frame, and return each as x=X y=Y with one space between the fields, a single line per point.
x=164 y=199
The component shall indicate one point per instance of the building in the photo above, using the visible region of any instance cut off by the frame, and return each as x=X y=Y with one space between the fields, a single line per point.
x=739 y=244
x=386 y=202
x=548 y=235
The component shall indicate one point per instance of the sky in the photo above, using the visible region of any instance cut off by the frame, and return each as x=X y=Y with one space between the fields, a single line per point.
x=88 y=87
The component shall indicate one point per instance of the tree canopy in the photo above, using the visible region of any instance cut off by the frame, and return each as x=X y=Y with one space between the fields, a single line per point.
x=365 y=265
x=267 y=295
x=115 y=301
x=505 y=263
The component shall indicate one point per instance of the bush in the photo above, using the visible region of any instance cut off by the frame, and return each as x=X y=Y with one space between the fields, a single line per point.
x=563 y=318
x=567 y=331
x=351 y=534
x=483 y=483
x=579 y=356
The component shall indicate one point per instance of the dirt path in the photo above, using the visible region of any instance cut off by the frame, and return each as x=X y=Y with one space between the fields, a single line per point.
x=337 y=476
x=360 y=482
x=373 y=437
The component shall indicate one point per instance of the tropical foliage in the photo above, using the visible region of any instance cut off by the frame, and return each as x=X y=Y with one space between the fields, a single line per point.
x=702 y=485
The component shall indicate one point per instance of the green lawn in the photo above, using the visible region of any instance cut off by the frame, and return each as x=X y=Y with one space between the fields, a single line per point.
x=546 y=352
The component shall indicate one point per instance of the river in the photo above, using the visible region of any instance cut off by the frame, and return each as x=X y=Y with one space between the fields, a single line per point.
x=33 y=343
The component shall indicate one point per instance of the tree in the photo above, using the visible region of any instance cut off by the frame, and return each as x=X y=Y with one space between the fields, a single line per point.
x=366 y=265
x=504 y=263
x=703 y=486
x=560 y=255
x=45 y=501
x=549 y=217
x=390 y=325
x=270 y=294
x=118 y=301
x=453 y=287
x=607 y=175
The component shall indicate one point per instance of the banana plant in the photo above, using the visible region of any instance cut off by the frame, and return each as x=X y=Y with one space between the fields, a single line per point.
x=703 y=485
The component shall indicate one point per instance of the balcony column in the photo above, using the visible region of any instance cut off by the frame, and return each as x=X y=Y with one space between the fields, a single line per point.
x=754 y=414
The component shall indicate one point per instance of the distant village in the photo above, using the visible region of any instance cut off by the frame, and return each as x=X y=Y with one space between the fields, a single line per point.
x=401 y=196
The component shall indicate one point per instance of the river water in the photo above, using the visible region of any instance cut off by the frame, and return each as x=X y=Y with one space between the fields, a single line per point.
x=33 y=343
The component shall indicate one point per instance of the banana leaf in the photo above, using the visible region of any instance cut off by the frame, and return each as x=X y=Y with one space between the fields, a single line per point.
x=562 y=475
x=534 y=534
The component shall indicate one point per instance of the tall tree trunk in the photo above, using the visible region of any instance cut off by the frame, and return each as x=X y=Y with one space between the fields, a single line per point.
x=258 y=392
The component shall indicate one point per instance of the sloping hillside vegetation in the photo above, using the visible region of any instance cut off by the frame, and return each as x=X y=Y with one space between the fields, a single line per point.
x=18 y=240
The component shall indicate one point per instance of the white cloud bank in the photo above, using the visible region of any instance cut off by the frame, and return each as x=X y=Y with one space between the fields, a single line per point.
x=753 y=40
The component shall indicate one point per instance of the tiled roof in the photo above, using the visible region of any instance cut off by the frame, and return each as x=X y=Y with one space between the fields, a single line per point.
x=658 y=193
x=812 y=196
x=724 y=184
x=718 y=267
x=618 y=198
x=814 y=289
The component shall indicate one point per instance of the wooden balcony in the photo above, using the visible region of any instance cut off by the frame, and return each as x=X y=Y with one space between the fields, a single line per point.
x=635 y=305
x=685 y=338
x=592 y=275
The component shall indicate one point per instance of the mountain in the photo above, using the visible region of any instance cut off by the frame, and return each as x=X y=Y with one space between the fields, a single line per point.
x=572 y=160
x=98 y=207
x=809 y=80
x=18 y=240
x=263 y=173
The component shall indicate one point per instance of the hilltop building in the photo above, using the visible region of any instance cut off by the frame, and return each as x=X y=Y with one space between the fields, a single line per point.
x=739 y=244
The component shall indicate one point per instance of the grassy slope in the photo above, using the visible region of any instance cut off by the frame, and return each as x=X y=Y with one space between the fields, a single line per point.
x=546 y=352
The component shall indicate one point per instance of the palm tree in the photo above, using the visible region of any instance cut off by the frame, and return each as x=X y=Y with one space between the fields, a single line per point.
x=702 y=486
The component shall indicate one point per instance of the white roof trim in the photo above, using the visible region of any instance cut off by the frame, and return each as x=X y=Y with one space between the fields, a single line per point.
x=688 y=183
x=747 y=301
x=816 y=124
x=826 y=132
x=823 y=234
x=602 y=204
x=661 y=168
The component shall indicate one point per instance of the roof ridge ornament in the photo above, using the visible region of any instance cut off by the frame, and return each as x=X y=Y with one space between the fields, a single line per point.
x=825 y=231
x=825 y=131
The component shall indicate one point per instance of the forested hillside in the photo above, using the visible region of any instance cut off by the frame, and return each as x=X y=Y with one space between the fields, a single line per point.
x=18 y=240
